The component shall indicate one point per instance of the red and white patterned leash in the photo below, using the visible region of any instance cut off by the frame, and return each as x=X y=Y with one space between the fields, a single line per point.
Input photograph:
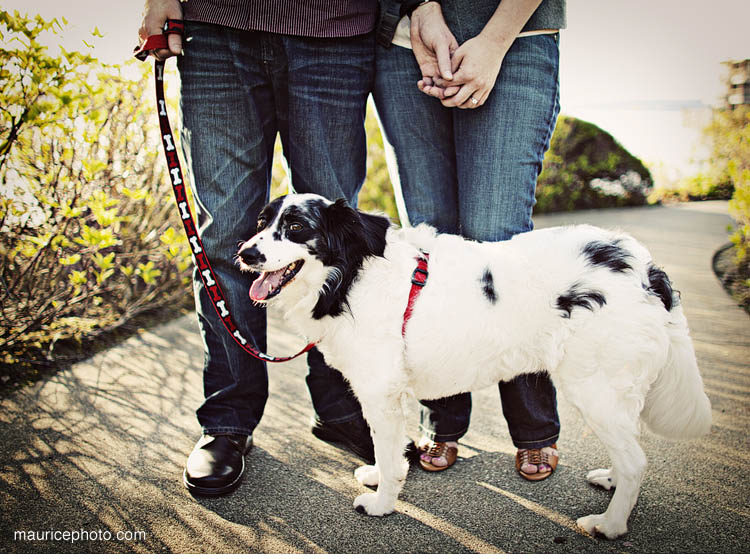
x=209 y=279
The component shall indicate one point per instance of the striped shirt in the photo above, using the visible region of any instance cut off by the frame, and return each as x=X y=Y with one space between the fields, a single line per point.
x=308 y=18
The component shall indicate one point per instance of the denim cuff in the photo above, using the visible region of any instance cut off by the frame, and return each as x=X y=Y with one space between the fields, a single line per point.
x=441 y=438
x=549 y=441
x=213 y=431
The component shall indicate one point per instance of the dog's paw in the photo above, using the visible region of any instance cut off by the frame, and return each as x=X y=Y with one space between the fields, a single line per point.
x=368 y=475
x=600 y=524
x=372 y=505
x=602 y=478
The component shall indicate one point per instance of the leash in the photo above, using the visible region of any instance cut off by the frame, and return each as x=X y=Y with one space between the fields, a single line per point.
x=209 y=279
x=418 y=281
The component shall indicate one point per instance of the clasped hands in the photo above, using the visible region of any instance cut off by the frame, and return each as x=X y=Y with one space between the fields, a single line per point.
x=460 y=76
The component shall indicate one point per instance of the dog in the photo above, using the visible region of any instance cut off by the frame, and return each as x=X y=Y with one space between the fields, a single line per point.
x=584 y=304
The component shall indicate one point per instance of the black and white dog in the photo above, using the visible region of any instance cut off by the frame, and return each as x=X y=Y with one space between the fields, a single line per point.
x=585 y=304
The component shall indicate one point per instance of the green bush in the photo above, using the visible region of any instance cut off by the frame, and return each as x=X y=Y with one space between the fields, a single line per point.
x=586 y=168
x=89 y=237
x=729 y=133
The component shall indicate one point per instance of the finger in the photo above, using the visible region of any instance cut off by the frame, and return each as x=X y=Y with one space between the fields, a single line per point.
x=444 y=61
x=427 y=68
x=456 y=59
x=479 y=96
x=434 y=91
x=459 y=98
x=161 y=54
x=451 y=91
x=175 y=43
x=427 y=80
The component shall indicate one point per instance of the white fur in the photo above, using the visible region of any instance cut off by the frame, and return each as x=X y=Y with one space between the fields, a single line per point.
x=629 y=360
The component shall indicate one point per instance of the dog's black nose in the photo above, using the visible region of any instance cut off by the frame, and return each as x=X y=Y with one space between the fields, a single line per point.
x=251 y=255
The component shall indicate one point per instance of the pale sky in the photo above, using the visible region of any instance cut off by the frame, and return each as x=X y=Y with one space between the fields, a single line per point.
x=626 y=65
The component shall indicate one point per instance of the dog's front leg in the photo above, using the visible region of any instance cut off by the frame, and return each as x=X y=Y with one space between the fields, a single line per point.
x=388 y=425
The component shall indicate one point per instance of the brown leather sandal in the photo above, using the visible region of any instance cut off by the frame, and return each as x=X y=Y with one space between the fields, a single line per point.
x=536 y=456
x=435 y=450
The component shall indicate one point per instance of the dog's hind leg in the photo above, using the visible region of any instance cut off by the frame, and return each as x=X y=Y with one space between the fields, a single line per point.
x=628 y=465
x=388 y=425
x=614 y=417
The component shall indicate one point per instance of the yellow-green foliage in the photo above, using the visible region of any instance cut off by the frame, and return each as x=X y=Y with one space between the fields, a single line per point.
x=88 y=232
x=729 y=138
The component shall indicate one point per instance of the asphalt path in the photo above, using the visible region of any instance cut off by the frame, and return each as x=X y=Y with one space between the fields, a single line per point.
x=97 y=451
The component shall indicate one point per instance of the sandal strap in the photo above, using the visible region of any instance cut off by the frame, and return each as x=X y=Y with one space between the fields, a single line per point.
x=536 y=457
x=436 y=450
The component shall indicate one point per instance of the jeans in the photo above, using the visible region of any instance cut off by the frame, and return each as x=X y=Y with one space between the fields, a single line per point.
x=238 y=90
x=473 y=172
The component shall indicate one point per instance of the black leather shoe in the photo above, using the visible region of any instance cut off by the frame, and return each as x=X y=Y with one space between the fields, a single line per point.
x=353 y=435
x=216 y=464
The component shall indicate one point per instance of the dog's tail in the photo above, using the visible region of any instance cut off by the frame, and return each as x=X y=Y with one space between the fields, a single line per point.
x=676 y=405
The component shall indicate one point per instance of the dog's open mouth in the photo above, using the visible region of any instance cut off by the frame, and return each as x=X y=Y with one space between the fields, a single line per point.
x=270 y=284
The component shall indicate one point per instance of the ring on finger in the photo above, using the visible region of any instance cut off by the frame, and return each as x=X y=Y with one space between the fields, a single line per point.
x=474 y=100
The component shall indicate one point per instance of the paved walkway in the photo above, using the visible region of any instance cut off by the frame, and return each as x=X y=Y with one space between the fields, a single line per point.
x=100 y=448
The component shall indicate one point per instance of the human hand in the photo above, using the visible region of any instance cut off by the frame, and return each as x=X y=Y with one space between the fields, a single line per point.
x=476 y=65
x=433 y=45
x=155 y=14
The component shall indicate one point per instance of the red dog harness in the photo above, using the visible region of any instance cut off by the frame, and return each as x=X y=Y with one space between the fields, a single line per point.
x=418 y=281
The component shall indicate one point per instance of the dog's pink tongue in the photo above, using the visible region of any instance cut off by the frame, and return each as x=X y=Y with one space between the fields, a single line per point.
x=265 y=285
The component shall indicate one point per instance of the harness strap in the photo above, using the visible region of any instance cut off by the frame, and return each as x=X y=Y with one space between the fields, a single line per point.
x=418 y=281
x=209 y=279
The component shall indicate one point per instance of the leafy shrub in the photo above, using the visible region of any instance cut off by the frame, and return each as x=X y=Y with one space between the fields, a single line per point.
x=88 y=233
x=729 y=136
x=377 y=192
x=586 y=168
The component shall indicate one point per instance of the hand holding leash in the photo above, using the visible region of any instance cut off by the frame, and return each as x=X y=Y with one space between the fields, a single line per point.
x=160 y=34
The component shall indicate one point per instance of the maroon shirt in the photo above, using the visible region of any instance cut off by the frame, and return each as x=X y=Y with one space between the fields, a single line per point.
x=308 y=18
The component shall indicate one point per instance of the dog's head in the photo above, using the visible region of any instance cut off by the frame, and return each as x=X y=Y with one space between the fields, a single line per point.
x=313 y=244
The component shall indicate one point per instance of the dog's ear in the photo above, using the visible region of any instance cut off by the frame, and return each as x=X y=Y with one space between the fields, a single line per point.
x=356 y=232
x=350 y=237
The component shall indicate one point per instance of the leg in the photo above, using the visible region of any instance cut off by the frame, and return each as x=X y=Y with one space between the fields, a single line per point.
x=418 y=139
x=385 y=414
x=629 y=463
x=227 y=136
x=325 y=146
x=530 y=409
x=338 y=415
x=445 y=420
x=615 y=419
x=500 y=151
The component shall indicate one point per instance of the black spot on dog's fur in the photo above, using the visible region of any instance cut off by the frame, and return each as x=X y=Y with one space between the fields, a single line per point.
x=346 y=237
x=488 y=286
x=577 y=296
x=660 y=286
x=609 y=255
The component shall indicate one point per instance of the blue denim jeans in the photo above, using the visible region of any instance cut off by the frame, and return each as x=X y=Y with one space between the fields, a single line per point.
x=238 y=90
x=473 y=172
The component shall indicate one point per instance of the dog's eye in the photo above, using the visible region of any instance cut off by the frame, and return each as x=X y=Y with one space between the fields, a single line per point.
x=261 y=223
x=295 y=227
